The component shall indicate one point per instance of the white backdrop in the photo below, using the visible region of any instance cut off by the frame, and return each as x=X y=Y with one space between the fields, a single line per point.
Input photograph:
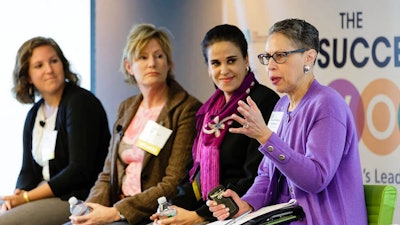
x=360 y=58
x=68 y=23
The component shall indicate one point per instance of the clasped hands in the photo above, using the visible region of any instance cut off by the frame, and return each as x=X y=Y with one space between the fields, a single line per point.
x=10 y=201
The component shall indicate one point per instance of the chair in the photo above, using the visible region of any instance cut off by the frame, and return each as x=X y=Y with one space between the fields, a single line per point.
x=380 y=201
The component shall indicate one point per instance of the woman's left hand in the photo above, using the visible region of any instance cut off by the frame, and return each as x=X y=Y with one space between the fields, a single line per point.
x=221 y=212
x=182 y=217
x=98 y=215
x=253 y=122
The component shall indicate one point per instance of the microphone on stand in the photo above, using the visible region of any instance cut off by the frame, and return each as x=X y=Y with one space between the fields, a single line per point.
x=42 y=123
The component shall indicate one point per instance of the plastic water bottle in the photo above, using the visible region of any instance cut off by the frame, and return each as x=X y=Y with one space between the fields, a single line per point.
x=78 y=207
x=164 y=208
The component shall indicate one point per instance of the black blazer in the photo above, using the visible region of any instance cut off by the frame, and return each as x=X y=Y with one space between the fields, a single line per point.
x=81 y=146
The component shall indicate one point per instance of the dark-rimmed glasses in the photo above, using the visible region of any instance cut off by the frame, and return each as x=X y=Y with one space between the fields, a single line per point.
x=279 y=57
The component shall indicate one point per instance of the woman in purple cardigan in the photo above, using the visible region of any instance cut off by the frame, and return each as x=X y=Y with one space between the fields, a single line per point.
x=310 y=145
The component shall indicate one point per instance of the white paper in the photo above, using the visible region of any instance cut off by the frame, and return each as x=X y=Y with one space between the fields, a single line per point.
x=254 y=214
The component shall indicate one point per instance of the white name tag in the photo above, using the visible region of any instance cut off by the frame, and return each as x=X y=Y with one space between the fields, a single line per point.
x=275 y=120
x=153 y=137
x=48 y=144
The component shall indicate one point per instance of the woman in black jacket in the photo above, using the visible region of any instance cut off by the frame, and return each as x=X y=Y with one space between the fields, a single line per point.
x=65 y=137
x=221 y=157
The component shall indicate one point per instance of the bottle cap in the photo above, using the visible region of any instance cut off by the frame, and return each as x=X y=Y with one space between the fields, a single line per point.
x=161 y=200
x=72 y=200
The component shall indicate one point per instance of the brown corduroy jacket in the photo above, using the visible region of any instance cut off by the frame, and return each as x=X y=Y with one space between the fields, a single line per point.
x=160 y=174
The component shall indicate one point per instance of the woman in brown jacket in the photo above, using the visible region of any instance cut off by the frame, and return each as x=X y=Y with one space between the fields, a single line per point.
x=134 y=175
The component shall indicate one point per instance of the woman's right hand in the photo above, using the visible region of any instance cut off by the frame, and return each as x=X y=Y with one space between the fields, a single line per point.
x=221 y=212
x=11 y=201
x=6 y=205
x=253 y=124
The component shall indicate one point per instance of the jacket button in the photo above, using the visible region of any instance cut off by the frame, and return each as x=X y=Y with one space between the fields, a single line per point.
x=282 y=157
x=270 y=148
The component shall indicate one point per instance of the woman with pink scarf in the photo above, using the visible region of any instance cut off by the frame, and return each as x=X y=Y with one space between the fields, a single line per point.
x=221 y=157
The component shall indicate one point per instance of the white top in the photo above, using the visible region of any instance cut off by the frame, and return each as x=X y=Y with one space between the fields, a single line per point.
x=42 y=125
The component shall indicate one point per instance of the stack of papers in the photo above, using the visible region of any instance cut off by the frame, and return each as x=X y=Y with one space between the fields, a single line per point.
x=251 y=215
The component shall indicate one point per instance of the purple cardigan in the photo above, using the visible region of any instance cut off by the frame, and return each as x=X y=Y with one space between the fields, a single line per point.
x=316 y=149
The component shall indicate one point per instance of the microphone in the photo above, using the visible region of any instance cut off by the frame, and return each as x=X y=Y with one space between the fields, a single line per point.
x=42 y=123
x=119 y=129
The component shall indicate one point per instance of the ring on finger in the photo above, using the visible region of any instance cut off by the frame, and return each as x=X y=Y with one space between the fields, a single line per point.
x=246 y=125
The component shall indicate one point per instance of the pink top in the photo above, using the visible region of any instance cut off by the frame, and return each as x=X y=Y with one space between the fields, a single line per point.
x=132 y=155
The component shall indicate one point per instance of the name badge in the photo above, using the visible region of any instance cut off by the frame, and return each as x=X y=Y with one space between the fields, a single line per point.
x=153 y=137
x=48 y=144
x=197 y=186
x=275 y=120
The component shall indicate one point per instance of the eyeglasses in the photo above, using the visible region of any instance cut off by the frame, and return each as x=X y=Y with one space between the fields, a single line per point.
x=279 y=57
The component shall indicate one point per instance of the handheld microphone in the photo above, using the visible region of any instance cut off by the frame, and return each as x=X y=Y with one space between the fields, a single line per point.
x=42 y=123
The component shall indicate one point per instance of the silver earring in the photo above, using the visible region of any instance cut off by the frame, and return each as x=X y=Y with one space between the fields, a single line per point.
x=306 y=69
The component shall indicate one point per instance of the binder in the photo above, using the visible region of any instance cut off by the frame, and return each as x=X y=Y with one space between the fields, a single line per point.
x=269 y=215
x=278 y=216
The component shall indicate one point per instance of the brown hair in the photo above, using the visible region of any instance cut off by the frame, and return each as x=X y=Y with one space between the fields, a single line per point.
x=23 y=90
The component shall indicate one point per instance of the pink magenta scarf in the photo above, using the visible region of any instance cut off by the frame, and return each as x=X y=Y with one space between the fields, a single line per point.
x=212 y=122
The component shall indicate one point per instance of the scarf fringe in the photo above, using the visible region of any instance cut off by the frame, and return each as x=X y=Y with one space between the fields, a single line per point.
x=209 y=174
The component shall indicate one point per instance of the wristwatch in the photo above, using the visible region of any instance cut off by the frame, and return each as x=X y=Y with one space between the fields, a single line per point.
x=121 y=217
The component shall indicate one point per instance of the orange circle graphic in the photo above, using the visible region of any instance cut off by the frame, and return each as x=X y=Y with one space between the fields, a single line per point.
x=381 y=99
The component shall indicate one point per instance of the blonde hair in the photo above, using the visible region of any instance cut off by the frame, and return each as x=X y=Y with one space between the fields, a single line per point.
x=138 y=38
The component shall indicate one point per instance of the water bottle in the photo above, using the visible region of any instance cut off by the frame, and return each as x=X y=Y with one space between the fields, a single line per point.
x=164 y=208
x=78 y=207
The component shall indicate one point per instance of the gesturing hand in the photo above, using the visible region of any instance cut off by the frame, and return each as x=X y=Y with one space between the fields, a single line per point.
x=253 y=122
